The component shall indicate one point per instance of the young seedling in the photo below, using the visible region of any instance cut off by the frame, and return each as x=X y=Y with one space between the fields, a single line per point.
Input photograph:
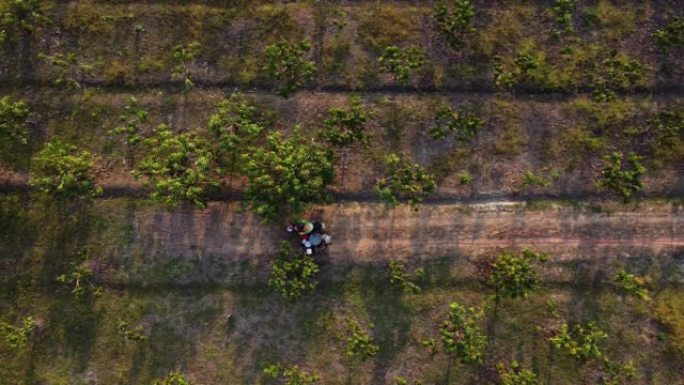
x=286 y=63
x=294 y=375
x=455 y=22
x=405 y=182
x=624 y=181
x=17 y=336
x=293 y=274
x=401 y=62
x=360 y=344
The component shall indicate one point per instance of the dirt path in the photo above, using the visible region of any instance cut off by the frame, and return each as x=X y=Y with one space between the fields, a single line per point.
x=367 y=233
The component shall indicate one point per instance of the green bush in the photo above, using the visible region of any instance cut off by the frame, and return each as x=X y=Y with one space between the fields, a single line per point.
x=293 y=274
x=462 y=123
x=62 y=172
x=513 y=276
x=17 y=336
x=662 y=136
x=405 y=182
x=287 y=174
x=579 y=342
x=344 y=127
x=20 y=16
x=129 y=130
x=464 y=177
x=516 y=375
x=359 y=343
x=285 y=62
x=503 y=79
x=80 y=280
x=179 y=168
x=130 y=333
x=401 y=62
x=14 y=117
x=456 y=23
x=672 y=35
x=183 y=55
x=173 y=378
x=293 y=375
x=617 y=73
x=632 y=284
x=615 y=373
x=462 y=336
x=562 y=17
x=400 y=278
x=669 y=312
x=70 y=71
x=624 y=182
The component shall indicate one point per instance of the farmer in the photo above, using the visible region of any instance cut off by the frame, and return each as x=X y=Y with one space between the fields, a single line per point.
x=312 y=234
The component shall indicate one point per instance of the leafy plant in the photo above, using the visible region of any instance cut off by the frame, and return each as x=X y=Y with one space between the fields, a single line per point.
x=344 y=127
x=359 y=343
x=406 y=182
x=183 y=55
x=285 y=62
x=173 y=378
x=293 y=274
x=401 y=62
x=407 y=282
x=503 y=79
x=287 y=174
x=662 y=135
x=179 y=167
x=579 y=342
x=624 y=181
x=634 y=285
x=456 y=23
x=462 y=336
x=672 y=35
x=70 y=71
x=562 y=17
x=14 y=117
x=129 y=130
x=538 y=179
x=464 y=124
x=516 y=375
x=17 y=336
x=63 y=172
x=618 y=72
x=513 y=276
x=81 y=282
x=464 y=177
x=131 y=333
x=615 y=373
x=21 y=16
x=294 y=375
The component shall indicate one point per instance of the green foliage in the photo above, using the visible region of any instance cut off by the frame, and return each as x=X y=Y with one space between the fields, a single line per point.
x=182 y=56
x=21 y=16
x=344 y=127
x=17 y=336
x=173 y=378
x=400 y=278
x=179 y=167
x=70 y=71
x=662 y=135
x=464 y=177
x=669 y=312
x=562 y=17
x=399 y=380
x=61 y=171
x=293 y=375
x=287 y=174
x=130 y=333
x=672 y=35
x=285 y=62
x=615 y=373
x=456 y=23
x=14 y=116
x=235 y=127
x=462 y=123
x=634 y=285
x=513 y=276
x=406 y=182
x=618 y=72
x=359 y=343
x=293 y=274
x=516 y=375
x=79 y=279
x=538 y=179
x=503 y=79
x=626 y=183
x=462 y=336
x=579 y=342
x=129 y=130
x=401 y=62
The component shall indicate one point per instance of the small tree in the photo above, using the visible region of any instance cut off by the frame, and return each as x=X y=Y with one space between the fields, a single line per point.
x=285 y=62
x=183 y=55
x=401 y=62
x=672 y=35
x=344 y=127
x=179 y=167
x=623 y=181
x=63 y=172
x=405 y=182
x=80 y=280
x=14 y=117
x=454 y=24
x=632 y=284
x=130 y=333
x=579 y=342
x=618 y=72
x=503 y=79
x=461 y=335
x=359 y=343
x=616 y=373
x=294 y=375
x=174 y=378
x=70 y=71
x=462 y=123
x=513 y=276
x=20 y=16
x=287 y=174
x=129 y=130
x=562 y=17
x=408 y=282
x=17 y=336
x=293 y=274
x=516 y=375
